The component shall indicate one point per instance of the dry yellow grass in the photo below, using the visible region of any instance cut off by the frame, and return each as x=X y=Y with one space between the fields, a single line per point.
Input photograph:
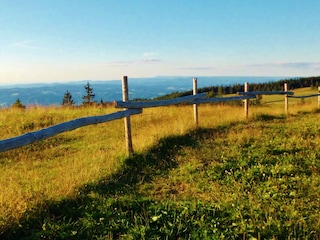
x=55 y=168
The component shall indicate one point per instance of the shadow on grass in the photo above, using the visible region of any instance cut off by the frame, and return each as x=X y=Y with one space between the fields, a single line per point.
x=269 y=117
x=136 y=170
x=142 y=167
x=114 y=208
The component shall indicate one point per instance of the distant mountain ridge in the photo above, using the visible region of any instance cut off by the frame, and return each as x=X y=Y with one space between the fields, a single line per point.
x=52 y=93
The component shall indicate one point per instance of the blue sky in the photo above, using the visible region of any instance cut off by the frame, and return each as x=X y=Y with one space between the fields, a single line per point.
x=68 y=40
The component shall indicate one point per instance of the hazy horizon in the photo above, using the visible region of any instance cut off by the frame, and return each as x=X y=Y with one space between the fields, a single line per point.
x=52 y=94
x=9 y=84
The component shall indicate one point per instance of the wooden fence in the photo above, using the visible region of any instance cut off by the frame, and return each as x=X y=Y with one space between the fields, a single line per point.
x=42 y=134
x=133 y=107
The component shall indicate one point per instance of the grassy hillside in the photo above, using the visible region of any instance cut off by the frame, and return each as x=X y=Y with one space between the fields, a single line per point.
x=227 y=179
x=279 y=99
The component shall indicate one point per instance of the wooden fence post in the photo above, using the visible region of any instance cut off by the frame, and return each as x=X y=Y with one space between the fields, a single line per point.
x=286 y=98
x=246 y=101
x=318 y=98
x=127 y=123
x=195 y=106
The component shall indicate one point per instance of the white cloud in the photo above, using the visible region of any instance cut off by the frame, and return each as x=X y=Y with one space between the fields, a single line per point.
x=197 y=68
x=134 y=62
x=151 y=60
x=149 y=54
x=297 y=65
x=24 y=44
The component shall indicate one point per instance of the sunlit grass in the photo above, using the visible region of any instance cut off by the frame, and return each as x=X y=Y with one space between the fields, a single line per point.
x=279 y=99
x=55 y=168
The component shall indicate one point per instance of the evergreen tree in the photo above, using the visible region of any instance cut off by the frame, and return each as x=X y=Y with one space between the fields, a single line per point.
x=102 y=103
x=87 y=99
x=67 y=99
x=18 y=104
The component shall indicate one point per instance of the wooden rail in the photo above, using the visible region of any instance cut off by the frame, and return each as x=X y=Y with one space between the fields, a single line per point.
x=42 y=134
x=191 y=99
x=185 y=100
x=223 y=99
x=288 y=94
x=266 y=93
x=306 y=96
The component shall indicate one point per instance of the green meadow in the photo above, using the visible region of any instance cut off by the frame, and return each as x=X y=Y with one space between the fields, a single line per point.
x=227 y=179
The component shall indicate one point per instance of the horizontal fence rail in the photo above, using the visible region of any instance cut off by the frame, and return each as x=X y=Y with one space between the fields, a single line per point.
x=266 y=93
x=159 y=103
x=192 y=99
x=306 y=96
x=275 y=101
x=223 y=99
x=42 y=134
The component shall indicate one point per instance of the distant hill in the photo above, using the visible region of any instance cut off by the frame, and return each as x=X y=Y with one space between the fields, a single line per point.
x=145 y=88
x=217 y=90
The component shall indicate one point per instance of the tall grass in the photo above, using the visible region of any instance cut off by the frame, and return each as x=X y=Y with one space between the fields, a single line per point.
x=55 y=168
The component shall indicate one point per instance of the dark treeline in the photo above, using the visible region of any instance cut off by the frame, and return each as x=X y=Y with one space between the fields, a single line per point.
x=214 y=91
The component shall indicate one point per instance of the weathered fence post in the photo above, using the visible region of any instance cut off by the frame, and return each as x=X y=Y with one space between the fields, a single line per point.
x=127 y=123
x=246 y=101
x=318 y=98
x=195 y=106
x=286 y=98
